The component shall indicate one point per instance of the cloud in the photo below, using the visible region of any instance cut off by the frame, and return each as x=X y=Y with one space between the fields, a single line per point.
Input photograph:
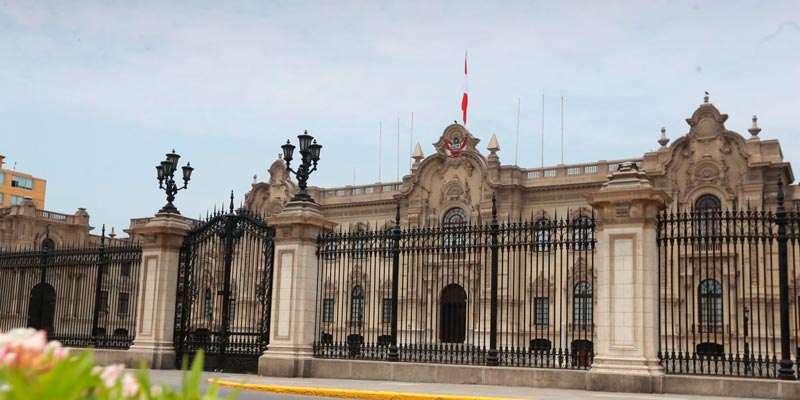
x=227 y=83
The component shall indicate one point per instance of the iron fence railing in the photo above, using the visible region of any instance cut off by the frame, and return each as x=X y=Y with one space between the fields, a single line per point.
x=496 y=293
x=81 y=296
x=720 y=292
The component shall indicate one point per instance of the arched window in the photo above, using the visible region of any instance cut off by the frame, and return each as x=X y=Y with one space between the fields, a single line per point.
x=48 y=244
x=582 y=311
x=542 y=234
x=707 y=209
x=329 y=246
x=454 y=223
x=388 y=243
x=360 y=244
x=357 y=307
x=583 y=233
x=710 y=303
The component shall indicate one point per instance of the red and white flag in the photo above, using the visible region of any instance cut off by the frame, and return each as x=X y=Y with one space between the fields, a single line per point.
x=465 y=99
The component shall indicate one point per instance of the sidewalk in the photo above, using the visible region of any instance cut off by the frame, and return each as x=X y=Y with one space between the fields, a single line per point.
x=342 y=388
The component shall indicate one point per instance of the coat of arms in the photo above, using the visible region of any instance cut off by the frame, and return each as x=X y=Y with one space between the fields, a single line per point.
x=453 y=149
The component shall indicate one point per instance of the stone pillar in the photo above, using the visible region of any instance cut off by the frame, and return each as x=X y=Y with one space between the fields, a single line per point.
x=158 y=279
x=294 y=291
x=626 y=292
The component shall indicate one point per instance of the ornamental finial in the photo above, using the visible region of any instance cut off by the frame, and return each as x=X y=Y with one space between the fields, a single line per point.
x=664 y=139
x=754 y=130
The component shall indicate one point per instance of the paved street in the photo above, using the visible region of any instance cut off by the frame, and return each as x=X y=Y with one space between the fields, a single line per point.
x=173 y=378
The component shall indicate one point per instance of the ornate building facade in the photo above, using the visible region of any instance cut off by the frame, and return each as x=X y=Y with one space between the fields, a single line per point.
x=709 y=160
x=709 y=169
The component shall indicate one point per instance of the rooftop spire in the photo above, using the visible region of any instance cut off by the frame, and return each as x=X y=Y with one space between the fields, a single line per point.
x=417 y=153
x=705 y=98
x=493 y=146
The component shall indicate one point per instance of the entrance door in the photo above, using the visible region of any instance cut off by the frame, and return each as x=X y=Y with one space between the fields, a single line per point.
x=453 y=314
x=42 y=307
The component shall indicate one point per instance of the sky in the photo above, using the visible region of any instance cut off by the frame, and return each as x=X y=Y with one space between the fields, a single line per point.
x=93 y=94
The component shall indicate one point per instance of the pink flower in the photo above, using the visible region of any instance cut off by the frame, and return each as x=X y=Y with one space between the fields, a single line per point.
x=129 y=385
x=111 y=374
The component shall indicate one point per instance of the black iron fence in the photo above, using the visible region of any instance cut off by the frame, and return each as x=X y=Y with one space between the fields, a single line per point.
x=81 y=296
x=496 y=293
x=720 y=300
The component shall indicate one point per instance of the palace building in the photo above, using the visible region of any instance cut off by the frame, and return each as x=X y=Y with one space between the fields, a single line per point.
x=546 y=277
x=709 y=165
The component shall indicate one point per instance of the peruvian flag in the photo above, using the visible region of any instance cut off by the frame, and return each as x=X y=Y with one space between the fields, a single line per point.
x=465 y=99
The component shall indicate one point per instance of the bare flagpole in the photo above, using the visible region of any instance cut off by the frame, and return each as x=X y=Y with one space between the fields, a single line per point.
x=380 y=148
x=398 y=147
x=516 y=146
x=542 y=130
x=411 y=141
x=562 y=129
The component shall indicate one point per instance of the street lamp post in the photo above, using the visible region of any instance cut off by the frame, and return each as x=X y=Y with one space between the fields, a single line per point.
x=309 y=151
x=166 y=172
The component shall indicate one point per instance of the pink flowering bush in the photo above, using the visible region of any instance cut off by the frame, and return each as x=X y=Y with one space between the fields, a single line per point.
x=33 y=368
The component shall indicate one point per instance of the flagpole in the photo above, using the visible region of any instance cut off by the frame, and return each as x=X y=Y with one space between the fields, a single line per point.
x=562 y=129
x=398 y=147
x=411 y=141
x=542 y=130
x=380 y=147
x=516 y=146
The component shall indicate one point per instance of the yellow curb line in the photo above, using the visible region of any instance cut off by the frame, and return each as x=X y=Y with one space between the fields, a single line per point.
x=348 y=393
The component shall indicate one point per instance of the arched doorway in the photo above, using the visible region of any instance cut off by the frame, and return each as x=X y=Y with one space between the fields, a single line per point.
x=453 y=314
x=42 y=307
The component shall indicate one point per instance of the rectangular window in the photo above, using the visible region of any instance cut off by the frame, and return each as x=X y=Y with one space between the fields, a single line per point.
x=1 y=199
x=20 y=182
x=388 y=188
x=573 y=171
x=125 y=270
x=327 y=310
x=103 y=300
x=232 y=310
x=387 y=311
x=207 y=310
x=357 y=191
x=533 y=174
x=122 y=303
x=399 y=187
x=591 y=169
x=369 y=190
x=549 y=173
x=542 y=306
x=340 y=192
x=15 y=200
x=2 y=178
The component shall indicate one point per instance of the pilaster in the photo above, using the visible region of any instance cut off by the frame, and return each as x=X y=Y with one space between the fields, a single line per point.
x=294 y=290
x=626 y=348
x=158 y=277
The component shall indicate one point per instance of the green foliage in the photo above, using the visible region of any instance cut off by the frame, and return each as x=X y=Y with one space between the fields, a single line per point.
x=75 y=377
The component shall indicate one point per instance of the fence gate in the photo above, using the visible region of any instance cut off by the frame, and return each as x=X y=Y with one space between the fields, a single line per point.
x=225 y=291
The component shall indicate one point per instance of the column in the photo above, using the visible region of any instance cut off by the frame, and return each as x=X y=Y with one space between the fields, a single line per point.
x=294 y=293
x=626 y=292
x=162 y=238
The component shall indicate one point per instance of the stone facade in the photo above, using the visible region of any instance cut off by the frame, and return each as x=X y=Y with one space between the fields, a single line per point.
x=709 y=159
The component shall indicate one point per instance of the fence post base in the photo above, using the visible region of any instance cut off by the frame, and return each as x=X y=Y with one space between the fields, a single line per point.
x=161 y=244
x=626 y=348
x=292 y=326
